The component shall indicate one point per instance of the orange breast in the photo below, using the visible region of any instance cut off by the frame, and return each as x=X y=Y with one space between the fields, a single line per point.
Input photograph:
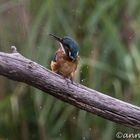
x=67 y=67
x=64 y=65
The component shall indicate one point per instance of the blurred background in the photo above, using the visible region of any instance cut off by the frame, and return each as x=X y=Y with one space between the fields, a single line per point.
x=108 y=33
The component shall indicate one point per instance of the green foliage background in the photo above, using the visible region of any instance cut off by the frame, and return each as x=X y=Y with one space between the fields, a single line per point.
x=108 y=33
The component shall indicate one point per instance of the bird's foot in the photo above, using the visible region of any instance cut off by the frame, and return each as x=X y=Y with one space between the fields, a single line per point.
x=70 y=81
x=67 y=80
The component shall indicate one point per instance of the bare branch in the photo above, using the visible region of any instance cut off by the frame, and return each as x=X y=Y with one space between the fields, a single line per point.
x=17 y=67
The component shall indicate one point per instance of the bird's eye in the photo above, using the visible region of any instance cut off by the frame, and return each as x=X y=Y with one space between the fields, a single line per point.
x=68 y=47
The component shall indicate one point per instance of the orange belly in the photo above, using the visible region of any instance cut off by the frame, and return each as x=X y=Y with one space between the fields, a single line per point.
x=64 y=68
x=63 y=64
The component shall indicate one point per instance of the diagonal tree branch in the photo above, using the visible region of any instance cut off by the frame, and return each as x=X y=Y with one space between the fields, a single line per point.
x=17 y=67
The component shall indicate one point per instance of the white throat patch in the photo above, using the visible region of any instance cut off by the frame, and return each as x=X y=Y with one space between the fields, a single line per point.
x=62 y=48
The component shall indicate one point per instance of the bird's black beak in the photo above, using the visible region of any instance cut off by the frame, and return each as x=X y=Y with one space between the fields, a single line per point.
x=56 y=38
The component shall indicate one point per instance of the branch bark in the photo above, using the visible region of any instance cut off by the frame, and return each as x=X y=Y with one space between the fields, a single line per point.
x=17 y=67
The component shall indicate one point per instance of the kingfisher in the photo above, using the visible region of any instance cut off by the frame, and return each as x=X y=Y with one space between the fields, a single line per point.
x=66 y=58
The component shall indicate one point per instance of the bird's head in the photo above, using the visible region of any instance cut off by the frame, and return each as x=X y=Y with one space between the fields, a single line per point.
x=70 y=47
